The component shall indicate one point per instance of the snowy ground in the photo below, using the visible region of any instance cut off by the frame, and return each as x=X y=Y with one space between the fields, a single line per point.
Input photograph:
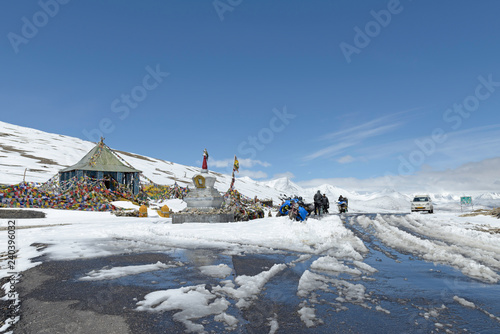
x=333 y=256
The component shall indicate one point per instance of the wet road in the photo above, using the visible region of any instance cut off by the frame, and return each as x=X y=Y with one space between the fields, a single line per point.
x=405 y=295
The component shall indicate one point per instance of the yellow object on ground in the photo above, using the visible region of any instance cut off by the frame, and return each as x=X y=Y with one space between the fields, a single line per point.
x=143 y=211
x=164 y=212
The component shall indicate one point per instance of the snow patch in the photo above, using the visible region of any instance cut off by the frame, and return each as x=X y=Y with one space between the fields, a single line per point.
x=328 y=263
x=273 y=324
x=194 y=302
x=115 y=272
x=230 y=321
x=250 y=286
x=218 y=271
x=464 y=302
x=308 y=316
x=381 y=309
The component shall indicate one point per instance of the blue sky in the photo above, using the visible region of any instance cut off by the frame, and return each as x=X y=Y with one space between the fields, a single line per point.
x=311 y=90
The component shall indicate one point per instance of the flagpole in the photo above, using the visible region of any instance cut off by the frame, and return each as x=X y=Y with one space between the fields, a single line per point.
x=232 y=179
x=234 y=168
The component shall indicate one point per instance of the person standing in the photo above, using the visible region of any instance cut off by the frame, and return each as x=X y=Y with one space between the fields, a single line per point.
x=318 y=202
x=326 y=203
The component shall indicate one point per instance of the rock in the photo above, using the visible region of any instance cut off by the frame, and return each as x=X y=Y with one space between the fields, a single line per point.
x=20 y=214
x=123 y=213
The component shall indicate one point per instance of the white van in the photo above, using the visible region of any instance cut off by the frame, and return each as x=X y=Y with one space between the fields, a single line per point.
x=422 y=203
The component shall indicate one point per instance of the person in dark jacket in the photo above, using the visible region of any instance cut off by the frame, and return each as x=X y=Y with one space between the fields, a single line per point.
x=318 y=202
x=342 y=198
x=325 y=203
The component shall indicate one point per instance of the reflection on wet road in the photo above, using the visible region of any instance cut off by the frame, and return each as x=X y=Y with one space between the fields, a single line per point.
x=389 y=289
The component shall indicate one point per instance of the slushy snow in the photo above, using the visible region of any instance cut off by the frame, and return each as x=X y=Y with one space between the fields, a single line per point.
x=115 y=272
x=445 y=238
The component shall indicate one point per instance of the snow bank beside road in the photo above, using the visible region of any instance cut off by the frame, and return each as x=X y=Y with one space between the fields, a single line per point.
x=442 y=237
x=314 y=236
x=95 y=234
x=445 y=239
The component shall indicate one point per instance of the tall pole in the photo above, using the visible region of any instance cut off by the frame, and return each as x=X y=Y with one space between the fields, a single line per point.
x=232 y=177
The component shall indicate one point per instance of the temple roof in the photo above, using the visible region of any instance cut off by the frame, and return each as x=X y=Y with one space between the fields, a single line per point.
x=102 y=159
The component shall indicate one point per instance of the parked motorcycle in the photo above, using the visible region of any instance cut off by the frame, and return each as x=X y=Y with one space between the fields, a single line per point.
x=297 y=212
x=295 y=208
x=284 y=208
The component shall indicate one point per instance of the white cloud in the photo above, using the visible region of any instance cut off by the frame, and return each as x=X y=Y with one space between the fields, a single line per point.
x=458 y=147
x=253 y=174
x=473 y=176
x=351 y=140
x=356 y=135
x=289 y=175
x=368 y=126
x=247 y=163
x=345 y=159
x=329 y=151
x=221 y=163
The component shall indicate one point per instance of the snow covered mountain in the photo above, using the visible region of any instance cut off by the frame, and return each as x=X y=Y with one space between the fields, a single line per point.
x=285 y=186
x=37 y=156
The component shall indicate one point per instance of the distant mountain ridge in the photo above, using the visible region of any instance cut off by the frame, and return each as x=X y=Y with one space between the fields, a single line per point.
x=42 y=155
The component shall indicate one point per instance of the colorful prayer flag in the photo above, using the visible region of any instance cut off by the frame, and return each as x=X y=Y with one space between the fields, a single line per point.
x=236 y=166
